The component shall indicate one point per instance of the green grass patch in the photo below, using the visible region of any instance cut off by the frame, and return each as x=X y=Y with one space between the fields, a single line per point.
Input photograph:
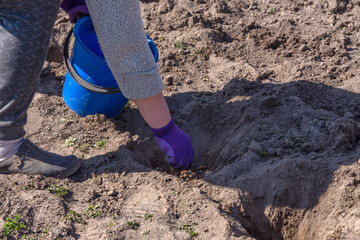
x=101 y=144
x=75 y=217
x=133 y=224
x=85 y=147
x=12 y=225
x=295 y=142
x=70 y=141
x=148 y=216
x=263 y=154
x=92 y=212
x=60 y=191
x=145 y=232
x=180 y=44
x=66 y=119
x=28 y=187
x=188 y=227
x=272 y=11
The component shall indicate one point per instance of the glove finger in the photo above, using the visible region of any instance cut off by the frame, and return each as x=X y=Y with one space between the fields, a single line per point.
x=180 y=162
x=170 y=158
x=190 y=159
x=167 y=150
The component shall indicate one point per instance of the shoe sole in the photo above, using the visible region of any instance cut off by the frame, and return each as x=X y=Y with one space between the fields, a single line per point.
x=46 y=71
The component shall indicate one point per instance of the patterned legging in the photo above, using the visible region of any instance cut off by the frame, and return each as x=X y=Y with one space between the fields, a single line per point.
x=25 y=29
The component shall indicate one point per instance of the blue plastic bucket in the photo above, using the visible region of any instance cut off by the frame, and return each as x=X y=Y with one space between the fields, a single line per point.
x=89 y=86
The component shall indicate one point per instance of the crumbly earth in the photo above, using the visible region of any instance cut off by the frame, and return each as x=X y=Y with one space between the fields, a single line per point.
x=268 y=91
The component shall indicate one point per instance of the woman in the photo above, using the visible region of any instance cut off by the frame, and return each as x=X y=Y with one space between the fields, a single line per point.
x=25 y=29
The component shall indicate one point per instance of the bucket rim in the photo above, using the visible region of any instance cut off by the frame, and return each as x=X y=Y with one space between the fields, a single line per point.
x=77 y=36
x=76 y=77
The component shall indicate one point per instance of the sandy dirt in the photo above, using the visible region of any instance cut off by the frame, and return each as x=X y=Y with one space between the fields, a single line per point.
x=268 y=91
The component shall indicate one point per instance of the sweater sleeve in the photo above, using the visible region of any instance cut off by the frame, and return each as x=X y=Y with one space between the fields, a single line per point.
x=121 y=35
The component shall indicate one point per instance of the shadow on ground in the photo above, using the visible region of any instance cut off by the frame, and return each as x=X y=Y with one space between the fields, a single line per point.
x=279 y=145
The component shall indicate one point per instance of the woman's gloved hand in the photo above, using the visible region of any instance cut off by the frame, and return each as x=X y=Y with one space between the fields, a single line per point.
x=75 y=8
x=176 y=145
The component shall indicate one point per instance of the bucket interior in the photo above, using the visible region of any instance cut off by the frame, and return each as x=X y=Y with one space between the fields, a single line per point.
x=85 y=33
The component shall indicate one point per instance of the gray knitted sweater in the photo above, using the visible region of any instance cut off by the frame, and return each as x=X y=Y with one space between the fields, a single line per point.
x=121 y=35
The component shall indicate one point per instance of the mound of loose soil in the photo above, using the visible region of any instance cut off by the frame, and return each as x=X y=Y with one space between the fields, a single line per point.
x=269 y=92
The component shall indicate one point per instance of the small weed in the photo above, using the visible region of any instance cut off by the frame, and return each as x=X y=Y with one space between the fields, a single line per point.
x=272 y=11
x=263 y=154
x=242 y=147
x=46 y=230
x=205 y=78
x=133 y=224
x=295 y=142
x=12 y=226
x=184 y=212
x=101 y=144
x=70 y=141
x=74 y=217
x=92 y=212
x=112 y=224
x=265 y=124
x=89 y=165
x=34 y=237
x=188 y=227
x=314 y=122
x=60 y=191
x=145 y=232
x=148 y=216
x=180 y=44
x=197 y=51
x=198 y=103
x=66 y=119
x=162 y=38
x=248 y=117
x=109 y=169
x=84 y=147
x=28 y=187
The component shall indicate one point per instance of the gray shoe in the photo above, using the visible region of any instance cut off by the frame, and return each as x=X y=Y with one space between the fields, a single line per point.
x=30 y=159
x=46 y=69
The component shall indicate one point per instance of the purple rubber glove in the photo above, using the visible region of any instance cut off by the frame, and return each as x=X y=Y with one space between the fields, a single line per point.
x=176 y=145
x=75 y=8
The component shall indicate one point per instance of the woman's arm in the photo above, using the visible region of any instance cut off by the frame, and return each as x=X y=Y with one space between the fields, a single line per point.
x=121 y=35
x=154 y=110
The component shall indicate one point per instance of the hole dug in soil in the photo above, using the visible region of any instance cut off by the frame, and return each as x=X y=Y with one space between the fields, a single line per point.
x=279 y=146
